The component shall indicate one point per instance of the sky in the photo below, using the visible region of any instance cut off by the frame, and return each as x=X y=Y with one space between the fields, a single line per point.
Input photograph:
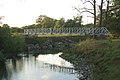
x=19 y=13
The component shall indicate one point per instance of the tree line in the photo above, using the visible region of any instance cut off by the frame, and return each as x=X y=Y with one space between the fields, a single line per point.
x=44 y=21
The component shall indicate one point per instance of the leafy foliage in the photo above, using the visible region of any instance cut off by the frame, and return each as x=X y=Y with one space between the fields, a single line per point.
x=114 y=17
x=76 y=22
x=45 y=22
x=111 y=16
x=10 y=44
x=60 y=23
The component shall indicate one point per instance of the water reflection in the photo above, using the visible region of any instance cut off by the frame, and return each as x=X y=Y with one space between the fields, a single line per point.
x=56 y=63
x=54 y=60
x=3 y=72
x=38 y=69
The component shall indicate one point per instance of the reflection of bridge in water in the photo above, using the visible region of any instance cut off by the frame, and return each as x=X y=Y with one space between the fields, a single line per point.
x=55 y=63
x=60 y=69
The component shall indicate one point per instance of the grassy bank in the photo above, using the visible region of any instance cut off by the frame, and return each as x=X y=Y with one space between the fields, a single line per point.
x=104 y=55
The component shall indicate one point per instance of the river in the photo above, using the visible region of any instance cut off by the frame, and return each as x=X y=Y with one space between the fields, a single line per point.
x=43 y=67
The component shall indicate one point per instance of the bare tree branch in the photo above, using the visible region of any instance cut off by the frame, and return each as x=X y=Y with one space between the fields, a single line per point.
x=91 y=16
x=82 y=10
x=88 y=2
x=77 y=9
x=91 y=11
x=88 y=12
x=87 y=9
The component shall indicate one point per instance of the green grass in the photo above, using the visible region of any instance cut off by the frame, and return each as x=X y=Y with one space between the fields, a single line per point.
x=104 y=55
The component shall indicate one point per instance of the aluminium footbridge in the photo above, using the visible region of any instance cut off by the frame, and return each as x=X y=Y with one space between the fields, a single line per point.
x=75 y=30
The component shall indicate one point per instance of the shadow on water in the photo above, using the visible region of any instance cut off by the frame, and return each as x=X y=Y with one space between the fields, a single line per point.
x=3 y=72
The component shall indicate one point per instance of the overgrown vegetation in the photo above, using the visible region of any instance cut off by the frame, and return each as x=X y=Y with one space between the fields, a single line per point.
x=104 y=55
x=10 y=44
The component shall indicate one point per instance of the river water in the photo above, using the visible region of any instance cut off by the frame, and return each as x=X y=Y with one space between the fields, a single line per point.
x=43 y=67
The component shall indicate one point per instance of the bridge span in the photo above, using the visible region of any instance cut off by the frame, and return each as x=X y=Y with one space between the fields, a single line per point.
x=75 y=30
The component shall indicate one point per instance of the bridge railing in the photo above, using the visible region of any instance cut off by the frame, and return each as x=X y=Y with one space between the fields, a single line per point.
x=75 y=30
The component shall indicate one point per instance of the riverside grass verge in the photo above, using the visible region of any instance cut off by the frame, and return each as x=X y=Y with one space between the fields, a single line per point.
x=103 y=54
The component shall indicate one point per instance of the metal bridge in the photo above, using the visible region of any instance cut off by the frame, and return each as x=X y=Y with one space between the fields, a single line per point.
x=75 y=30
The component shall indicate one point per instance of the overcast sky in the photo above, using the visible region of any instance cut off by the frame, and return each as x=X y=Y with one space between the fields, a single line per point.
x=25 y=12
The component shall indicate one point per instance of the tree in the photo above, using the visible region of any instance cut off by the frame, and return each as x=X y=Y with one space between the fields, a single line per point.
x=114 y=17
x=106 y=13
x=6 y=39
x=10 y=44
x=59 y=23
x=31 y=26
x=76 y=22
x=101 y=18
x=45 y=22
x=110 y=16
x=91 y=11
x=17 y=44
x=69 y=23
x=16 y=30
x=101 y=13
x=1 y=17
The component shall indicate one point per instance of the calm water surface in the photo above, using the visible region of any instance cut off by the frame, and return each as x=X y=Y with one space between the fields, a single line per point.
x=44 y=67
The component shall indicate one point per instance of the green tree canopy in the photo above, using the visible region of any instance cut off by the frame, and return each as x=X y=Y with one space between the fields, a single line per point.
x=76 y=22
x=45 y=21
x=10 y=44
x=113 y=22
x=59 y=23
x=111 y=17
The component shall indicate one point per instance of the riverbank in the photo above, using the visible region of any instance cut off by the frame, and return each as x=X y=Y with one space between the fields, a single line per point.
x=50 y=45
x=104 y=55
